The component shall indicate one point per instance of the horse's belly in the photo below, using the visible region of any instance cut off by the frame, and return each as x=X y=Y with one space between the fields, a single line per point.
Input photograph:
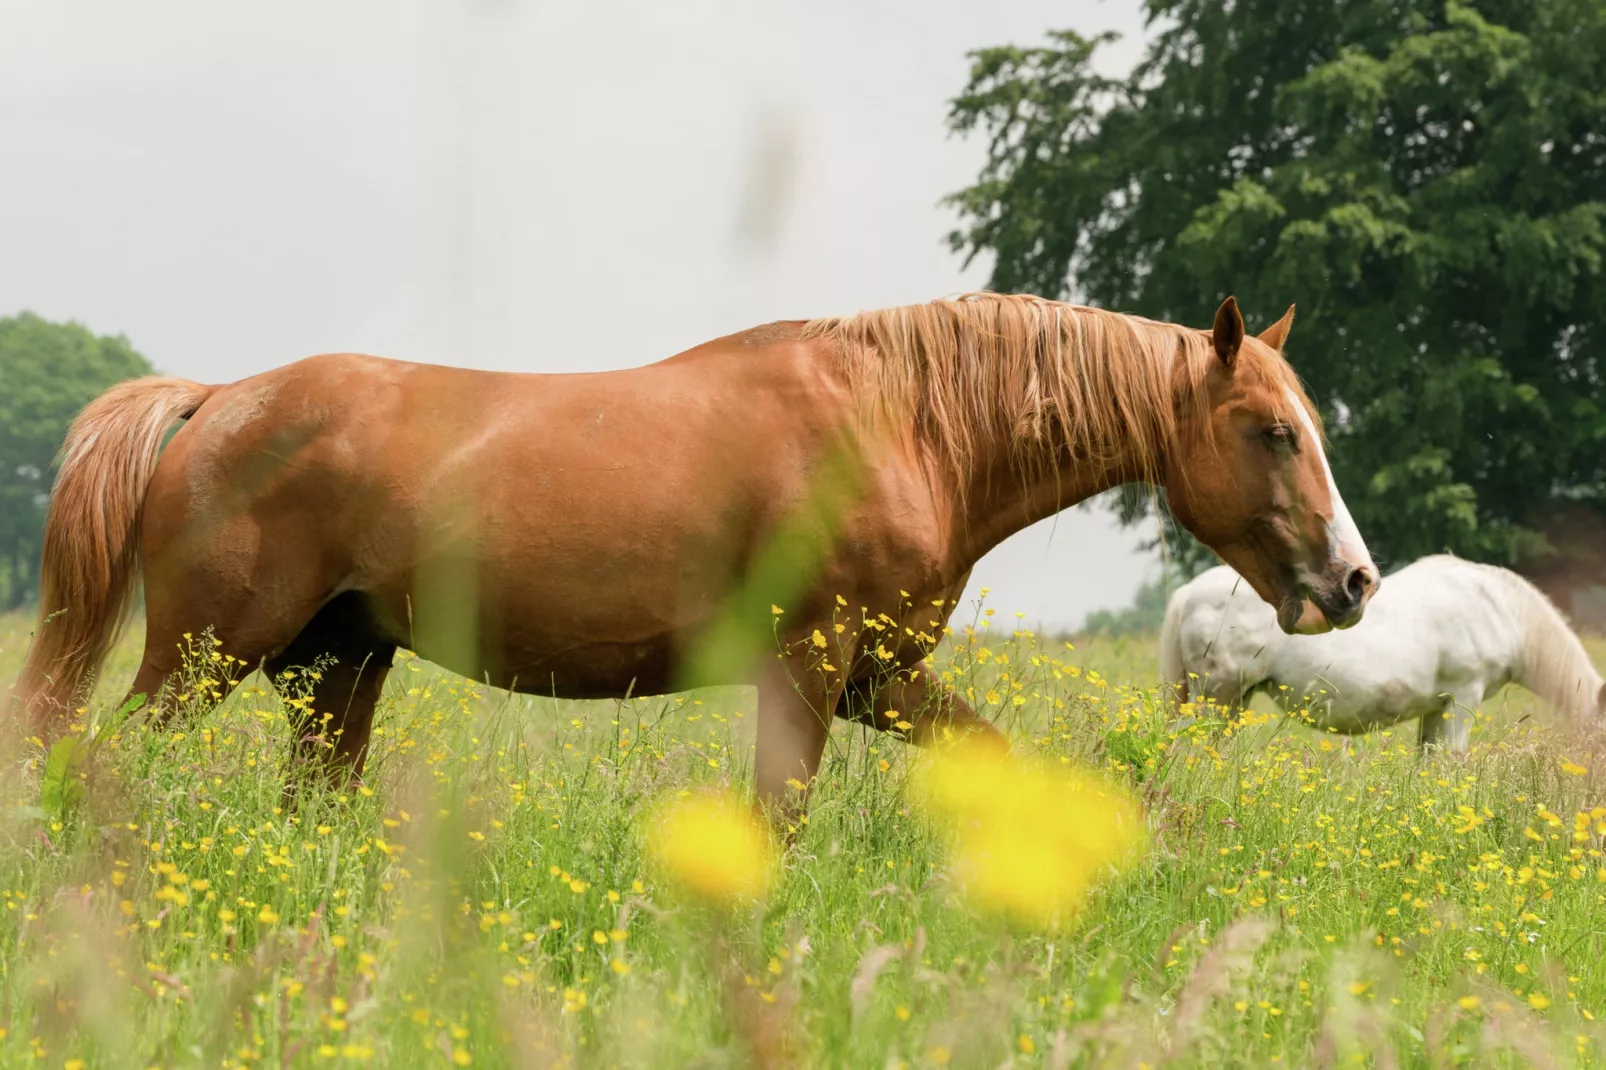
x=550 y=655
x=1377 y=704
x=588 y=670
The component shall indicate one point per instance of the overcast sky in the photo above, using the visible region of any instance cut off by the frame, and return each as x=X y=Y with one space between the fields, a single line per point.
x=510 y=184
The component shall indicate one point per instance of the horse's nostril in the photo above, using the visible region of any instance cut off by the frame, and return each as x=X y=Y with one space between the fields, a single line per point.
x=1357 y=584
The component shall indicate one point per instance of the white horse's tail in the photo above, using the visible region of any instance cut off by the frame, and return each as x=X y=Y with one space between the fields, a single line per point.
x=1173 y=673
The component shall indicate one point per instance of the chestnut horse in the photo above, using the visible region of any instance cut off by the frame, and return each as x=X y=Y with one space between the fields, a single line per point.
x=600 y=523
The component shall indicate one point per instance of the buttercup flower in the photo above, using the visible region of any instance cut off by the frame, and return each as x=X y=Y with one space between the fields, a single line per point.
x=712 y=847
x=1029 y=840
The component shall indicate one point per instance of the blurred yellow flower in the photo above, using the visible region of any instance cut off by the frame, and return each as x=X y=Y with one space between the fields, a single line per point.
x=1029 y=840
x=712 y=847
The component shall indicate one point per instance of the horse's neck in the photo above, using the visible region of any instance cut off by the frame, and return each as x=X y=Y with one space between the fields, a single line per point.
x=1002 y=500
x=1553 y=662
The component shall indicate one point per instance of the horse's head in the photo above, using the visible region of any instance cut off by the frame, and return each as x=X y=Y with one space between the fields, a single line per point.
x=1253 y=484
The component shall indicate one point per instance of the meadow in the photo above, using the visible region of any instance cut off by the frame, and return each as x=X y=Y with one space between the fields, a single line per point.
x=485 y=897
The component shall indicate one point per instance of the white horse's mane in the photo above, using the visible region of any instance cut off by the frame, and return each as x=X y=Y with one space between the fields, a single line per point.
x=1555 y=666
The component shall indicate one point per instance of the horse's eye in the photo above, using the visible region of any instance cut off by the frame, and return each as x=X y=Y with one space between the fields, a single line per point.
x=1280 y=435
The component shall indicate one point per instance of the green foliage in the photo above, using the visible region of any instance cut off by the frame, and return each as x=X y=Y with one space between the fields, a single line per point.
x=61 y=784
x=48 y=371
x=1426 y=179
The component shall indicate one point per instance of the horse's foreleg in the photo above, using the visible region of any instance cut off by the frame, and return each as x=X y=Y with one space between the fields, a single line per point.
x=918 y=698
x=794 y=719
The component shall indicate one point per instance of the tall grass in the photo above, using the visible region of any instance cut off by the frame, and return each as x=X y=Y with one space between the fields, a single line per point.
x=482 y=899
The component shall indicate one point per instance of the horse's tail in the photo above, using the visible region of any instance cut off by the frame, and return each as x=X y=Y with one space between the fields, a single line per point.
x=91 y=544
x=1173 y=673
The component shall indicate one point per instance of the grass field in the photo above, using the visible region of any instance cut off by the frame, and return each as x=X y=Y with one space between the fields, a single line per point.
x=484 y=899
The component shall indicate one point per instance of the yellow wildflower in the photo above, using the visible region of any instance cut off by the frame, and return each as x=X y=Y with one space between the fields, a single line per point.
x=712 y=847
x=1029 y=839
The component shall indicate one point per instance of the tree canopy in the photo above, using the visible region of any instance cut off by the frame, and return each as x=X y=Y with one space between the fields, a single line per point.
x=48 y=371
x=1426 y=179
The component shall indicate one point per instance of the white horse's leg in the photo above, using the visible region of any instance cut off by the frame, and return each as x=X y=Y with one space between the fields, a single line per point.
x=1452 y=726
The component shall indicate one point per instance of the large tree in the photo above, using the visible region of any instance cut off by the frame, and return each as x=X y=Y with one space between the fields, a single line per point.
x=1427 y=180
x=48 y=371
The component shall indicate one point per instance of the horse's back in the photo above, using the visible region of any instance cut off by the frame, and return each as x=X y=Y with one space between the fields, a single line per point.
x=395 y=422
x=1445 y=595
x=379 y=439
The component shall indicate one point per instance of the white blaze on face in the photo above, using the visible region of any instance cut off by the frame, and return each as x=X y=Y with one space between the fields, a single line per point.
x=1347 y=541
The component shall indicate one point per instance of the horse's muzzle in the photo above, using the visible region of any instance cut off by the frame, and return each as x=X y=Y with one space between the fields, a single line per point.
x=1336 y=600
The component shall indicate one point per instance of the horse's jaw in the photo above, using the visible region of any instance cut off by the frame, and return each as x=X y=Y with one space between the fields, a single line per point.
x=1302 y=616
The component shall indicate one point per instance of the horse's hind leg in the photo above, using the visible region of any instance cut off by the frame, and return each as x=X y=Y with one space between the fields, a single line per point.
x=191 y=599
x=1452 y=726
x=345 y=658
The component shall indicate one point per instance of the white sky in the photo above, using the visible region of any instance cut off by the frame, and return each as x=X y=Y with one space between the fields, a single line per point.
x=507 y=184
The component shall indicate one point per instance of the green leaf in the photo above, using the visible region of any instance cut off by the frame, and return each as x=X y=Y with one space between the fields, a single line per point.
x=131 y=705
x=61 y=789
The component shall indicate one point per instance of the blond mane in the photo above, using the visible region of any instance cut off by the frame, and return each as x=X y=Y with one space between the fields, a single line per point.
x=1554 y=664
x=984 y=370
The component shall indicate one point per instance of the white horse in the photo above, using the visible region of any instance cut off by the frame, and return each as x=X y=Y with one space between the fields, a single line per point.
x=1441 y=635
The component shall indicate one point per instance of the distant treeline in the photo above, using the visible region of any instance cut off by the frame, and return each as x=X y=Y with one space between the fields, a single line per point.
x=1427 y=180
x=48 y=371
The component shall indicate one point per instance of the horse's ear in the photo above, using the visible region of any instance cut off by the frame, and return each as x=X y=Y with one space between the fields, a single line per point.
x=1277 y=333
x=1228 y=333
